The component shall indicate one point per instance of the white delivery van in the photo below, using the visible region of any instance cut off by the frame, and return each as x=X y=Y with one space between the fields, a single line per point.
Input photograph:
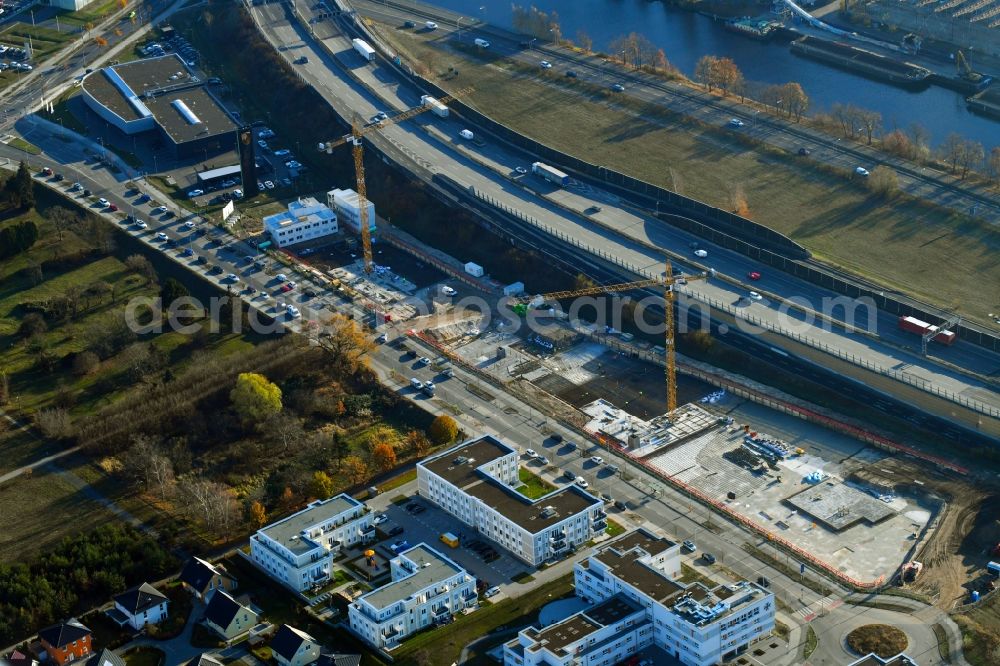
x=482 y=43
x=431 y=25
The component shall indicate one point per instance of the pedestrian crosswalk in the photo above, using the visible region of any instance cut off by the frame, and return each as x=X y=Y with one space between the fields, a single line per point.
x=813 y=610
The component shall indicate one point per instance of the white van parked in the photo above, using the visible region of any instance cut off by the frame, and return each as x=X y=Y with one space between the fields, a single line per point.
x=416 y=384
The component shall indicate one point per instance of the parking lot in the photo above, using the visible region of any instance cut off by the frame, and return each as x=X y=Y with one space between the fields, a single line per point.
x=428 y=526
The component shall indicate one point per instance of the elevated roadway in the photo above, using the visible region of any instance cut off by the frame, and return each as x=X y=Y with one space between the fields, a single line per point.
x=622 y=234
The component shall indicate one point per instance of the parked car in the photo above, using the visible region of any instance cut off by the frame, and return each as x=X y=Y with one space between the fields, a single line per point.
x=580 y=481
x=618 y=87
x=556 y=437
x=597 y=460
x=282 y=152
x=448 y=291
x=545 y=64
x=397 y=530
x=195 y=193
x=689 y=546
x=159 y=210
x=262 y=144
x=863 y=172
x=492 y=592
x=708 y=558
x=232 y=277
x=423 y=361
x=103 y=203
x=187 y=252
x=269 y=184
x=531 y=453
x=112 y=207
x=542 y=460
x=189 y=224
x=161 y=236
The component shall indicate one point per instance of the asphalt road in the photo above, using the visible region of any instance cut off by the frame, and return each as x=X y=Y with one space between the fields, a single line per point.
x=919 y=181
x=433 y=144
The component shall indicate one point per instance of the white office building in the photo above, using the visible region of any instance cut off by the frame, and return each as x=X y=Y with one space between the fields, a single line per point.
x=427 y=588
x=638 y=603
x=347 y=206
x=299 y=550
x=476 y=481
x=306 y=219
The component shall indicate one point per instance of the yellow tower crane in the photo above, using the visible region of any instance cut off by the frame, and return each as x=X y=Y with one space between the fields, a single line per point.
x=354 y=138
x=667 y=281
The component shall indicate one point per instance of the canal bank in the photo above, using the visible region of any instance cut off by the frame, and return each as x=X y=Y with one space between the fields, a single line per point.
x=685 y=36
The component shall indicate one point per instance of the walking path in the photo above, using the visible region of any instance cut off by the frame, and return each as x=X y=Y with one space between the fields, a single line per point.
x=38 y=463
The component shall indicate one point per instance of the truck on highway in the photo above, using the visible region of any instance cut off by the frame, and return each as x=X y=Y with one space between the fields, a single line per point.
x=550 y=174
x=364 y=49
x=436 y=107
x=914 y=325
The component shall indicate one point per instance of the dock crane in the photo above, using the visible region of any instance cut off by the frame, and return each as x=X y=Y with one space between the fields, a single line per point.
x=358 y=131
x=667 y=282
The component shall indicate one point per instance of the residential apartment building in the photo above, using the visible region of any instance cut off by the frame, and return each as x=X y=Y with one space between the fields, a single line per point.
x=306 y=219
x=346 y=204
x=476 y=481
x=638 y=602
x=299 y=550
x=426 y=588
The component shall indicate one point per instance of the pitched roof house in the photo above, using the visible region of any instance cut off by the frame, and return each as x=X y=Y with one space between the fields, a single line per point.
x=140 y=606
x=105 y=658
x=204 y=660
x=66 y=641
x=18 y=658
x=228 y=617
x=202 y=579
x=294 y=647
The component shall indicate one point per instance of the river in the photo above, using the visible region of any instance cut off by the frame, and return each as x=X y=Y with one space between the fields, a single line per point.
x=686 y=36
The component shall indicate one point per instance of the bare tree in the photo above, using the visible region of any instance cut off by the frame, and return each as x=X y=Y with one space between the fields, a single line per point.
x=971 y=156
x=995 y=164
x=795 y=99
x=870 y=122
x=584 y=41
x=55 y=423
x=951 y=149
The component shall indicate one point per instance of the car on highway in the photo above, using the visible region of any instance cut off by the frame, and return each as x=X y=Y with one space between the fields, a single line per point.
x=159 y=210
x=708 y=558
x=301 y=60
x=531 y=453
x=103 y=203
x=281 y=152
x=861 y=171
x=597 y=460
x=580 y=481
x=736 y=122
x=409 y=24
x=754 y=296
x=161 y=236
x=379 y=519
x=701 y=253
x=195 y=193
x=688 y=546
x=521 y=170
x=379 y=117
x=618 y=87
x=754 y=275
x=545 y=64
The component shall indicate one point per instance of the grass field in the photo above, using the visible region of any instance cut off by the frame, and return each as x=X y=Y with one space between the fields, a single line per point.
x=91 y=13
x=38 y=510
x=980 y=630
x=831 y=215
x=21 y=144
x=44 y=41
x=534 y=485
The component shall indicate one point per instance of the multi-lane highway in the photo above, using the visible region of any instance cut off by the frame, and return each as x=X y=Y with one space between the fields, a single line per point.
x=920 y=181
x=432 y=145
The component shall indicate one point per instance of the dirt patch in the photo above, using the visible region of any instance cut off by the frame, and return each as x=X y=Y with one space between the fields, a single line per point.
x=882 y=639
x=956 y=550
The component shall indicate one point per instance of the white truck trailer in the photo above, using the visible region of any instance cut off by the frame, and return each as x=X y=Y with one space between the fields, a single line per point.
x=364 y=49
x=436 y=107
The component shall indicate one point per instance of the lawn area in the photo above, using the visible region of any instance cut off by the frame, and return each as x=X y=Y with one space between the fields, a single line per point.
x=614 y=529
x=144 y=656
x=39 y=509
x=21 y=144
x=828 y=213
x=397 y=481
x=91 y=13
x=981 y=632
x=44 y=41
x=446 y=643
x=533 y=486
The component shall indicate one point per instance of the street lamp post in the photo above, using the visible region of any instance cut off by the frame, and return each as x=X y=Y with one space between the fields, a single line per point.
x=458 y=26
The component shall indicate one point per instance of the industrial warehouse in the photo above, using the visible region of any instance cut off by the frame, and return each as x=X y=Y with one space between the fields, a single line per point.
x=161 y=94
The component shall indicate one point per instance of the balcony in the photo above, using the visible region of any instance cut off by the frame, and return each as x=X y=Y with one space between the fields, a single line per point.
x=559 y=544
x=600 y=525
